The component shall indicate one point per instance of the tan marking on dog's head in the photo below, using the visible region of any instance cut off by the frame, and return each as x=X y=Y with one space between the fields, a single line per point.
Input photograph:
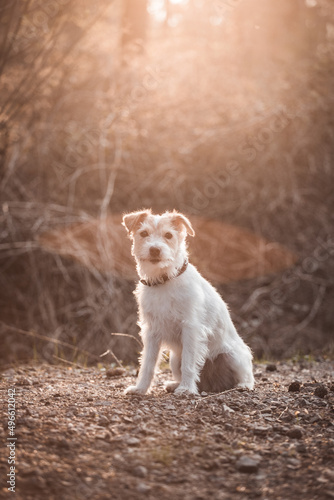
x=133 y=220
x=179 y=220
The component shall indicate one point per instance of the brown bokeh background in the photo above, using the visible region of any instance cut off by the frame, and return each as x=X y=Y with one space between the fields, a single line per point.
x=219 y=109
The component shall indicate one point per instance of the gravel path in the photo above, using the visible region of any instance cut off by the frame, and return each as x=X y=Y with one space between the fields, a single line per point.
x=78 y=436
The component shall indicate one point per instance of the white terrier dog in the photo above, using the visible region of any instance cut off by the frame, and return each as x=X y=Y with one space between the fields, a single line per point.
x=180 y=310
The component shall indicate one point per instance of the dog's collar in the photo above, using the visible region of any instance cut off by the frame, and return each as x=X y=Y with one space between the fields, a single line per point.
x=165 y=277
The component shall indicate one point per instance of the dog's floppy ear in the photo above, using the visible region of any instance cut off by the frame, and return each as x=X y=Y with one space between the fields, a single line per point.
x=180 y=220
x=132 y=221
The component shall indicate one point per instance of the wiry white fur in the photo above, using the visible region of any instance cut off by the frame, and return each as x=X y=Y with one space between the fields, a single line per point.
x=185 y=314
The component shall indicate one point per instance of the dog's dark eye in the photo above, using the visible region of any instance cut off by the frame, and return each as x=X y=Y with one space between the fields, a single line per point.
x=169 y=236
x=144 y=234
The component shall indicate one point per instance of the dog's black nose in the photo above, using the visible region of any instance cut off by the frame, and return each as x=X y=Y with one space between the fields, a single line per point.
x=154 y=252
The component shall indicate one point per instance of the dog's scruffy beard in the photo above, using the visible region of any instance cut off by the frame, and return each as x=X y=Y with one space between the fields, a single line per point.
x=151 y=270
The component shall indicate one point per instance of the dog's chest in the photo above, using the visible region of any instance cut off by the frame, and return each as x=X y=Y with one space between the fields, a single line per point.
x=160 y=304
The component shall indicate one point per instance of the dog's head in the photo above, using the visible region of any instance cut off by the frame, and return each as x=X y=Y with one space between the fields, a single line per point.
x=158 y=241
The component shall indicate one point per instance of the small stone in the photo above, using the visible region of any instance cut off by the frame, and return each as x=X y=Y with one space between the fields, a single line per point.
x=9 y=373
x=267 y=411
x=249 y=465
x=143 y=488
x=271 y=367
x=288 y=416
x=132 y=441
x=170 y=407
x=293 y=463
x=127 y=420
x=295 y=433
x=114 y=419
x=219 y=436
x=321 y=391
x=104 y=435
x=140 y=471
x=199 y=420
x=279 y=428
x=260 y=429
x=329 y=474
x=23 y=381
x=227 y=409
x=115 y=372
x=63 y=443
x=103 y=420
x=301 y=448
x=294 y=386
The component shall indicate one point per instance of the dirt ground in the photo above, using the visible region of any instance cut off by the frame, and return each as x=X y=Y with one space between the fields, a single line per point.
x=78 y=436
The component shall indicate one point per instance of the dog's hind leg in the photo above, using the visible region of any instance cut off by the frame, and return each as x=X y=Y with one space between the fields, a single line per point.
x=245 y=371
x=227 y=371
x=218 y=375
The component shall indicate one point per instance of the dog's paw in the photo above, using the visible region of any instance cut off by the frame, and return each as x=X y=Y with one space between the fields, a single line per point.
x=183 y=390
x=171 y=386
x=245 y=386
x=133 y=389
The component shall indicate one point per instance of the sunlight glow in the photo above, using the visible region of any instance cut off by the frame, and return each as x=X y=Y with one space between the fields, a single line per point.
x=176 y=2
x=157 y=9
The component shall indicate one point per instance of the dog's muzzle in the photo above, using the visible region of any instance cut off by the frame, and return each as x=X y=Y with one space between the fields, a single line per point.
x=155 y=255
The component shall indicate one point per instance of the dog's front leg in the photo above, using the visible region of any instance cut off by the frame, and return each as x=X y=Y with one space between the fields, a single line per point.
x=191 y=361
x=149 y=359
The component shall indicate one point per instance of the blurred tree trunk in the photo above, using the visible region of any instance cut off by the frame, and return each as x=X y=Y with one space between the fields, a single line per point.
x=134 y=26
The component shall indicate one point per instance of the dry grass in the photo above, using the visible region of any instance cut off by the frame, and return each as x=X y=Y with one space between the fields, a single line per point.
x=223 y=253
x=221 y=122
